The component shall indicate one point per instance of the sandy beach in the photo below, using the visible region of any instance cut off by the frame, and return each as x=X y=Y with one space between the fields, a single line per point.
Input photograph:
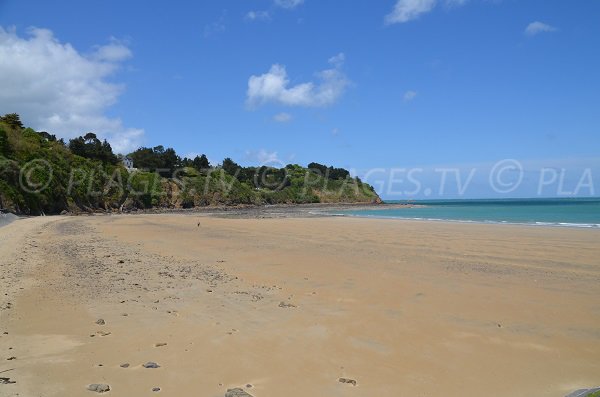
x=286 y=306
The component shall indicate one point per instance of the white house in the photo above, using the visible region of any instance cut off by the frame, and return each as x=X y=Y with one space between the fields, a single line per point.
x=128 y=163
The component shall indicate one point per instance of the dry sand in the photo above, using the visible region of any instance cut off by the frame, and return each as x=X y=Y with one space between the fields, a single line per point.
x=289 y=306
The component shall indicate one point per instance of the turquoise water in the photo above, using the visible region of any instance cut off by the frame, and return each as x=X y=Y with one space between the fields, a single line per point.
x=555 y=212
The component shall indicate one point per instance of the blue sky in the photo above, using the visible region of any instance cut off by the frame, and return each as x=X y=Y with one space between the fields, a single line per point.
x=361 y=84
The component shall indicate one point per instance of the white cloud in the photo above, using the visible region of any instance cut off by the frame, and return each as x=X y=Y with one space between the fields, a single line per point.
x=116 y=51
x=274 y=87
x=263 y=157
x=409 y=95
x=258 y=16
x=338 y=60
x=57 y=89
x=289 y=4
x=406 y=10
x=538 y=27
x=282 y=117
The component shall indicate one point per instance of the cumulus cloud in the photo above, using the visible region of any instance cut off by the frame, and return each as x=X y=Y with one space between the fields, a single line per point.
x=289 y=4
x=57 y=89
x=263 y=157
x=282 y=117
x=409 y=95
x=538 y=27
x=274 y=87
x=407 y=10
x=258 y=16
x=116 y=51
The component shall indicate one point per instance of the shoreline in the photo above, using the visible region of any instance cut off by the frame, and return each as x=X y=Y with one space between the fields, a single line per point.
x=8 y=218
x=473 y=222
x=320 y=210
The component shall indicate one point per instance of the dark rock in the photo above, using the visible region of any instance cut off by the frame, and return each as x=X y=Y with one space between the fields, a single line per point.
x=286 y=305
x=346 y=380
x=125 y=365
x=11 y=358
x=99 y=387
x=151 y=364
x=100 y=321
x=237 y=392
x=155 y=389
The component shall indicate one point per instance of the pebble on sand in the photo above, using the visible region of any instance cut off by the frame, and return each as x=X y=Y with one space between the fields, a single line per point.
x=155 y=389
x=160 y=344
x=237 y=392
x=151 y=364
x=99 y=387
x=346 y=380
x=100 y=321
x=286 y=305
x=125 y=365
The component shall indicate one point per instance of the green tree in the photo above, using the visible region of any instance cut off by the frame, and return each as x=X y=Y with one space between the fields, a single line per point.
x=157 y=158
x=89 y=146
x=12 y=119
x=231 y=167
x=318 y=168
x=4 y=145
x=201 y=163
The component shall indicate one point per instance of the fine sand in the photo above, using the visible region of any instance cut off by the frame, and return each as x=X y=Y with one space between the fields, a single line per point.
x=288 y=306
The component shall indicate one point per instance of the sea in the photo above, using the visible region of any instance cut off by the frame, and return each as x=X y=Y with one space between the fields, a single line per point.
x=563 y=212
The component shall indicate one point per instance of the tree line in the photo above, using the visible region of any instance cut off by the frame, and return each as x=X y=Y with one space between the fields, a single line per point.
x=86 y=174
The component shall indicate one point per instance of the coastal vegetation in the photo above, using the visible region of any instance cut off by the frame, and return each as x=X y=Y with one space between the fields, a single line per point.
x=40 y=174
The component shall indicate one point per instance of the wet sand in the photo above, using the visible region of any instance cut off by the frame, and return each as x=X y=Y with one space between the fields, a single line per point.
x=288 y=306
